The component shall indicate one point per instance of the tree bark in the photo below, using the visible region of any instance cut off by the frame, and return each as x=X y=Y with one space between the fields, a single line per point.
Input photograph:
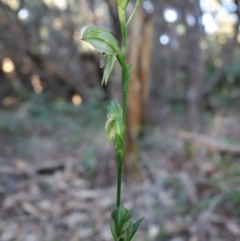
x=195 y=69
x=141 y=39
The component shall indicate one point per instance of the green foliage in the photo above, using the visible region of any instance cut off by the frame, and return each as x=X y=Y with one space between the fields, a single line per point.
x=101 y=40
x=114 y=124
x=122 y=227
x=120 y=217
x=122 y=4
x=108 y=69
x=105 y=43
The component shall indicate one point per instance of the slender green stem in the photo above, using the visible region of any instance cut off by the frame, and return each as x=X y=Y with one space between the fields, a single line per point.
x=125 y=75
x=122 y=18
x=124 y=98
x=123 y=24
x=119 y=179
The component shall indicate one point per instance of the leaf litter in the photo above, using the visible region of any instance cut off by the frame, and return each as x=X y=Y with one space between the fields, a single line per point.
x=184 y=197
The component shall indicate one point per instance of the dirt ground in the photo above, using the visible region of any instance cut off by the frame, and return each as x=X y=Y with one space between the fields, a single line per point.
x=57 y=177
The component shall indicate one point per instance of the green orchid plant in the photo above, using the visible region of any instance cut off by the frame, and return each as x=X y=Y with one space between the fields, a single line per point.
x=122 y=227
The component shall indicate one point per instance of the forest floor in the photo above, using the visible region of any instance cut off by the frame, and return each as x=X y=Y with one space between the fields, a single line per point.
x=57 y=177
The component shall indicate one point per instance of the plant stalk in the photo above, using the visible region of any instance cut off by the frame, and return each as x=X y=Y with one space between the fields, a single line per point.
x=119 y=179
x=125 y=76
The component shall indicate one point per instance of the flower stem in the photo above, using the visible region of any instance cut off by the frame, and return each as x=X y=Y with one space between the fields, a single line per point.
x=125 y=76
x=119 y=179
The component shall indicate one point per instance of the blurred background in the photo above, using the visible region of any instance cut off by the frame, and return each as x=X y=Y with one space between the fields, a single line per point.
x=182 y=168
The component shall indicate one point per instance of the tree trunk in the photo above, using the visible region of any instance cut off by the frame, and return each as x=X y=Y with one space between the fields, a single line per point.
x=170 y=75
x=195 y=69
x=141 y=38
